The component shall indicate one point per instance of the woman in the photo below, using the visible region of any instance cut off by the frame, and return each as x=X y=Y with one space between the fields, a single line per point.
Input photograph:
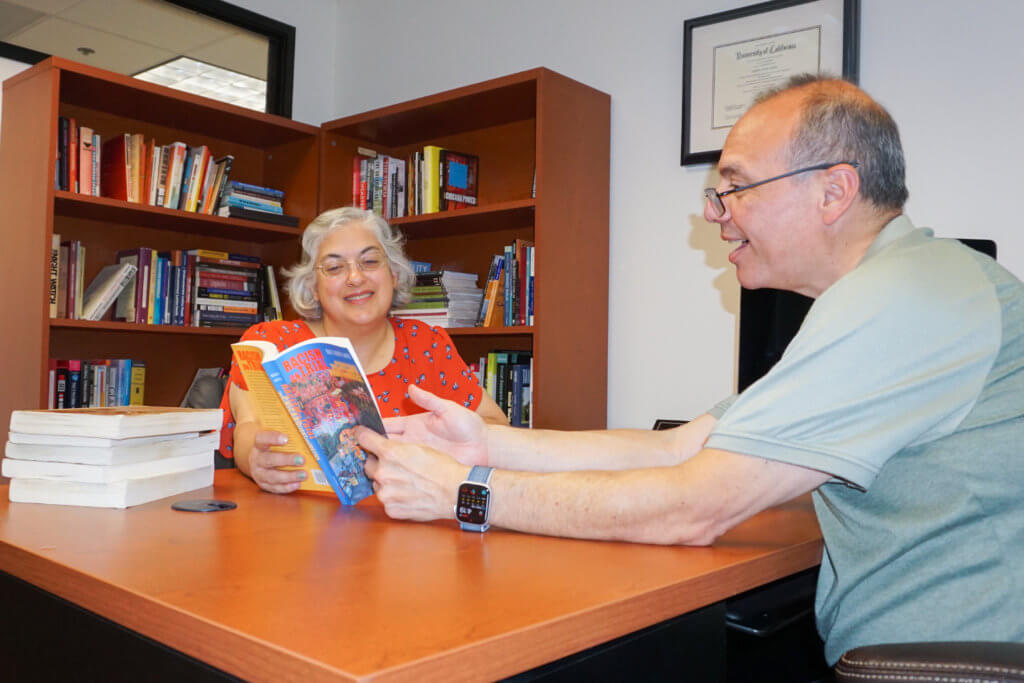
x=352 y=273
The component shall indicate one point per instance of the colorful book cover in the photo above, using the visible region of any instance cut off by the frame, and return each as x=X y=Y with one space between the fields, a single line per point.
x=459 y=180
x=315 y=393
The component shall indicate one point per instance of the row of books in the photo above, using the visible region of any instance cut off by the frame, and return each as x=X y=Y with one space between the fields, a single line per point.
x=174 y=176
x=509 y=290
x=132 y=169
x=197 y=287
x=444 y=298
x=508 y=377
x=429 y=180
x=102 y=383
x=116 y=459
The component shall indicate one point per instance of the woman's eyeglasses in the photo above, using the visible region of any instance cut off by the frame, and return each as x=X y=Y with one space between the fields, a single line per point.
x=366 y=263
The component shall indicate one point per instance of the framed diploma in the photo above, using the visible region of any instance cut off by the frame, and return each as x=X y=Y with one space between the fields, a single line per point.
x=731 y=57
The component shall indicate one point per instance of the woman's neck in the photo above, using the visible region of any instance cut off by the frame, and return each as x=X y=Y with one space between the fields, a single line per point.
x=374 y=344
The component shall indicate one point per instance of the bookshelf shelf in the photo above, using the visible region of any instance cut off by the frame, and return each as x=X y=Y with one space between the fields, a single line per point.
x=493 y=217
x=63 y=323
x=116 y=211
x=522 y=330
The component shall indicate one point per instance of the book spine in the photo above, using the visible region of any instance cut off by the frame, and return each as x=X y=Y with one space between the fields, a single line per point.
x=138 y=383
x=54 y=273
x=97 y=151
x=257 y=189
x=72 y=155
x=229 y=161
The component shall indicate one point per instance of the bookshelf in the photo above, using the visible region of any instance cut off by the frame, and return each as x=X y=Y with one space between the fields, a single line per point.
x=268 y=150
x=535 y=119
x=532 y=120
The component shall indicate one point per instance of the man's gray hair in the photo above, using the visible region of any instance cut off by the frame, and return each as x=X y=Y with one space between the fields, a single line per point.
x=301 y=284
x=840 y=122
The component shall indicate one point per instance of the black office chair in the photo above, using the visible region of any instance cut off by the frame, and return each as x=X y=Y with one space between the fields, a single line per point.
x=978 y=662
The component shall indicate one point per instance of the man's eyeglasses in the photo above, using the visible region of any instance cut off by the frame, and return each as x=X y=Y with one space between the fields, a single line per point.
x=715 y=197
x=366 y=263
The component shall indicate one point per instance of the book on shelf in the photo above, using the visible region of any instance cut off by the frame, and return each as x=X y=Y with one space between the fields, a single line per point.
x=95 y=383
x=459 y=173
x=508 y=377
x=85 y=148
x=431 y=178
x=233 y=211
x=115 y=168
x=54 y=273
x=105 y=288
x=315 y=393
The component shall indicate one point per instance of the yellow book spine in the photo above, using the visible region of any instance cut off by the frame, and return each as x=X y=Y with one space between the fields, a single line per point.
x=431 y=178
x=275 y=416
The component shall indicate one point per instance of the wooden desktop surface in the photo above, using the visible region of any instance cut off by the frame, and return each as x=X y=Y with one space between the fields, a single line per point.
x=298 y=588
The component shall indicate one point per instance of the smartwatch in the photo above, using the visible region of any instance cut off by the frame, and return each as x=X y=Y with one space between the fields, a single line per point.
x=473 y=505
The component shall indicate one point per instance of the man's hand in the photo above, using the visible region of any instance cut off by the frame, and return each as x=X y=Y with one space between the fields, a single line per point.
x=264 y=464
x=447 y=427
x=411 y=482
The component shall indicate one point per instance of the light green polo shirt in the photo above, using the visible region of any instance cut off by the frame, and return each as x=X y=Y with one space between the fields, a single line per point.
x=906 y=383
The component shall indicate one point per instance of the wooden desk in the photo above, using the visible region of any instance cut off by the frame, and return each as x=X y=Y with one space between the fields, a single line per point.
x=298 y=588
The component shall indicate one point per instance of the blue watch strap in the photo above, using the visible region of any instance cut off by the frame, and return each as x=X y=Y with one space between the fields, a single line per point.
x=479 y=475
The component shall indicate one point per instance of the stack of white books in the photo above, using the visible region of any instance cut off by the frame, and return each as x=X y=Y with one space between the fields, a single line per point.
x=109 y=457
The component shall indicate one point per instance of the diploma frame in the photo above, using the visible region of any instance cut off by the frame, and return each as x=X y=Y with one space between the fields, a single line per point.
x=834 y=25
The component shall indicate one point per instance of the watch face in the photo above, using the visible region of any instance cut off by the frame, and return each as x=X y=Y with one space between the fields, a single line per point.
x=471 y=507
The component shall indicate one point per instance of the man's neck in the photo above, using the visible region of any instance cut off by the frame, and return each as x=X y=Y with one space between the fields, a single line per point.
x=849 y=239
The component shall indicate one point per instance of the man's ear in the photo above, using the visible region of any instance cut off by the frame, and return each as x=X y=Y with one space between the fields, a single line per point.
x=842 y=184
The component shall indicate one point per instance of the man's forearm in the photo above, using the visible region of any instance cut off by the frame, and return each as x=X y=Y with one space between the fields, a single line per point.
x=541 y=450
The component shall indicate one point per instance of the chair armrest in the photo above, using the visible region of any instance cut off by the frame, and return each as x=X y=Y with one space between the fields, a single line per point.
x=979 y=662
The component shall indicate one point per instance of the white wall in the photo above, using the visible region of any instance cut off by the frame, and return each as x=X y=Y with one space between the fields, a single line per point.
x=950 y=76
x=315 y=23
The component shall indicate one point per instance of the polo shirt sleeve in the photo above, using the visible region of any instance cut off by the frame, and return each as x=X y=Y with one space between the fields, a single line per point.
x=888 y=357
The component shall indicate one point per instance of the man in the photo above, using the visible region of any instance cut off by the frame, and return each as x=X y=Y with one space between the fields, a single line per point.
x=900 y=402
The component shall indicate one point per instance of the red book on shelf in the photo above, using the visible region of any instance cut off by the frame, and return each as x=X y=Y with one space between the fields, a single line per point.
x=114 y=176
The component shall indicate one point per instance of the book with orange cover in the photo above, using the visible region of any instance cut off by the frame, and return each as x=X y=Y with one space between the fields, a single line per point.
x=315 y=393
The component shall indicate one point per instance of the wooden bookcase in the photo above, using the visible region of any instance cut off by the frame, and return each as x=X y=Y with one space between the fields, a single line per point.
x=268 y=150
x=539 y=120
x=532 y=119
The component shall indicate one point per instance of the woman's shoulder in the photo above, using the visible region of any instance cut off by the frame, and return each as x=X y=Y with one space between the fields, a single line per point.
x=418 y=333
x=282 y=333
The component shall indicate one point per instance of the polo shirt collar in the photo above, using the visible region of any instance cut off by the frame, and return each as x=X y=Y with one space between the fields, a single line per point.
x=895 y=229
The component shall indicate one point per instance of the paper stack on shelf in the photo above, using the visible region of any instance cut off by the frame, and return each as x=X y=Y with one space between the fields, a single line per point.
x=445 y=298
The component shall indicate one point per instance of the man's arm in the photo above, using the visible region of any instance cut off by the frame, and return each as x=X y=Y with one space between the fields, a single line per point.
x=460 y=433
x=690 y=503
x=545 y=450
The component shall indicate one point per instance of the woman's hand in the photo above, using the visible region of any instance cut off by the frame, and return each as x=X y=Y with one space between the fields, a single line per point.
x=447 y=427
x=264 y=464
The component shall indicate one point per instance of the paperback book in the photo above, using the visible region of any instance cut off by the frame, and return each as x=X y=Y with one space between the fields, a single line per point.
x=315 y=393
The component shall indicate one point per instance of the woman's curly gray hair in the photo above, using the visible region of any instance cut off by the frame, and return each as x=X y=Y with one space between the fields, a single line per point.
x=301 y=283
